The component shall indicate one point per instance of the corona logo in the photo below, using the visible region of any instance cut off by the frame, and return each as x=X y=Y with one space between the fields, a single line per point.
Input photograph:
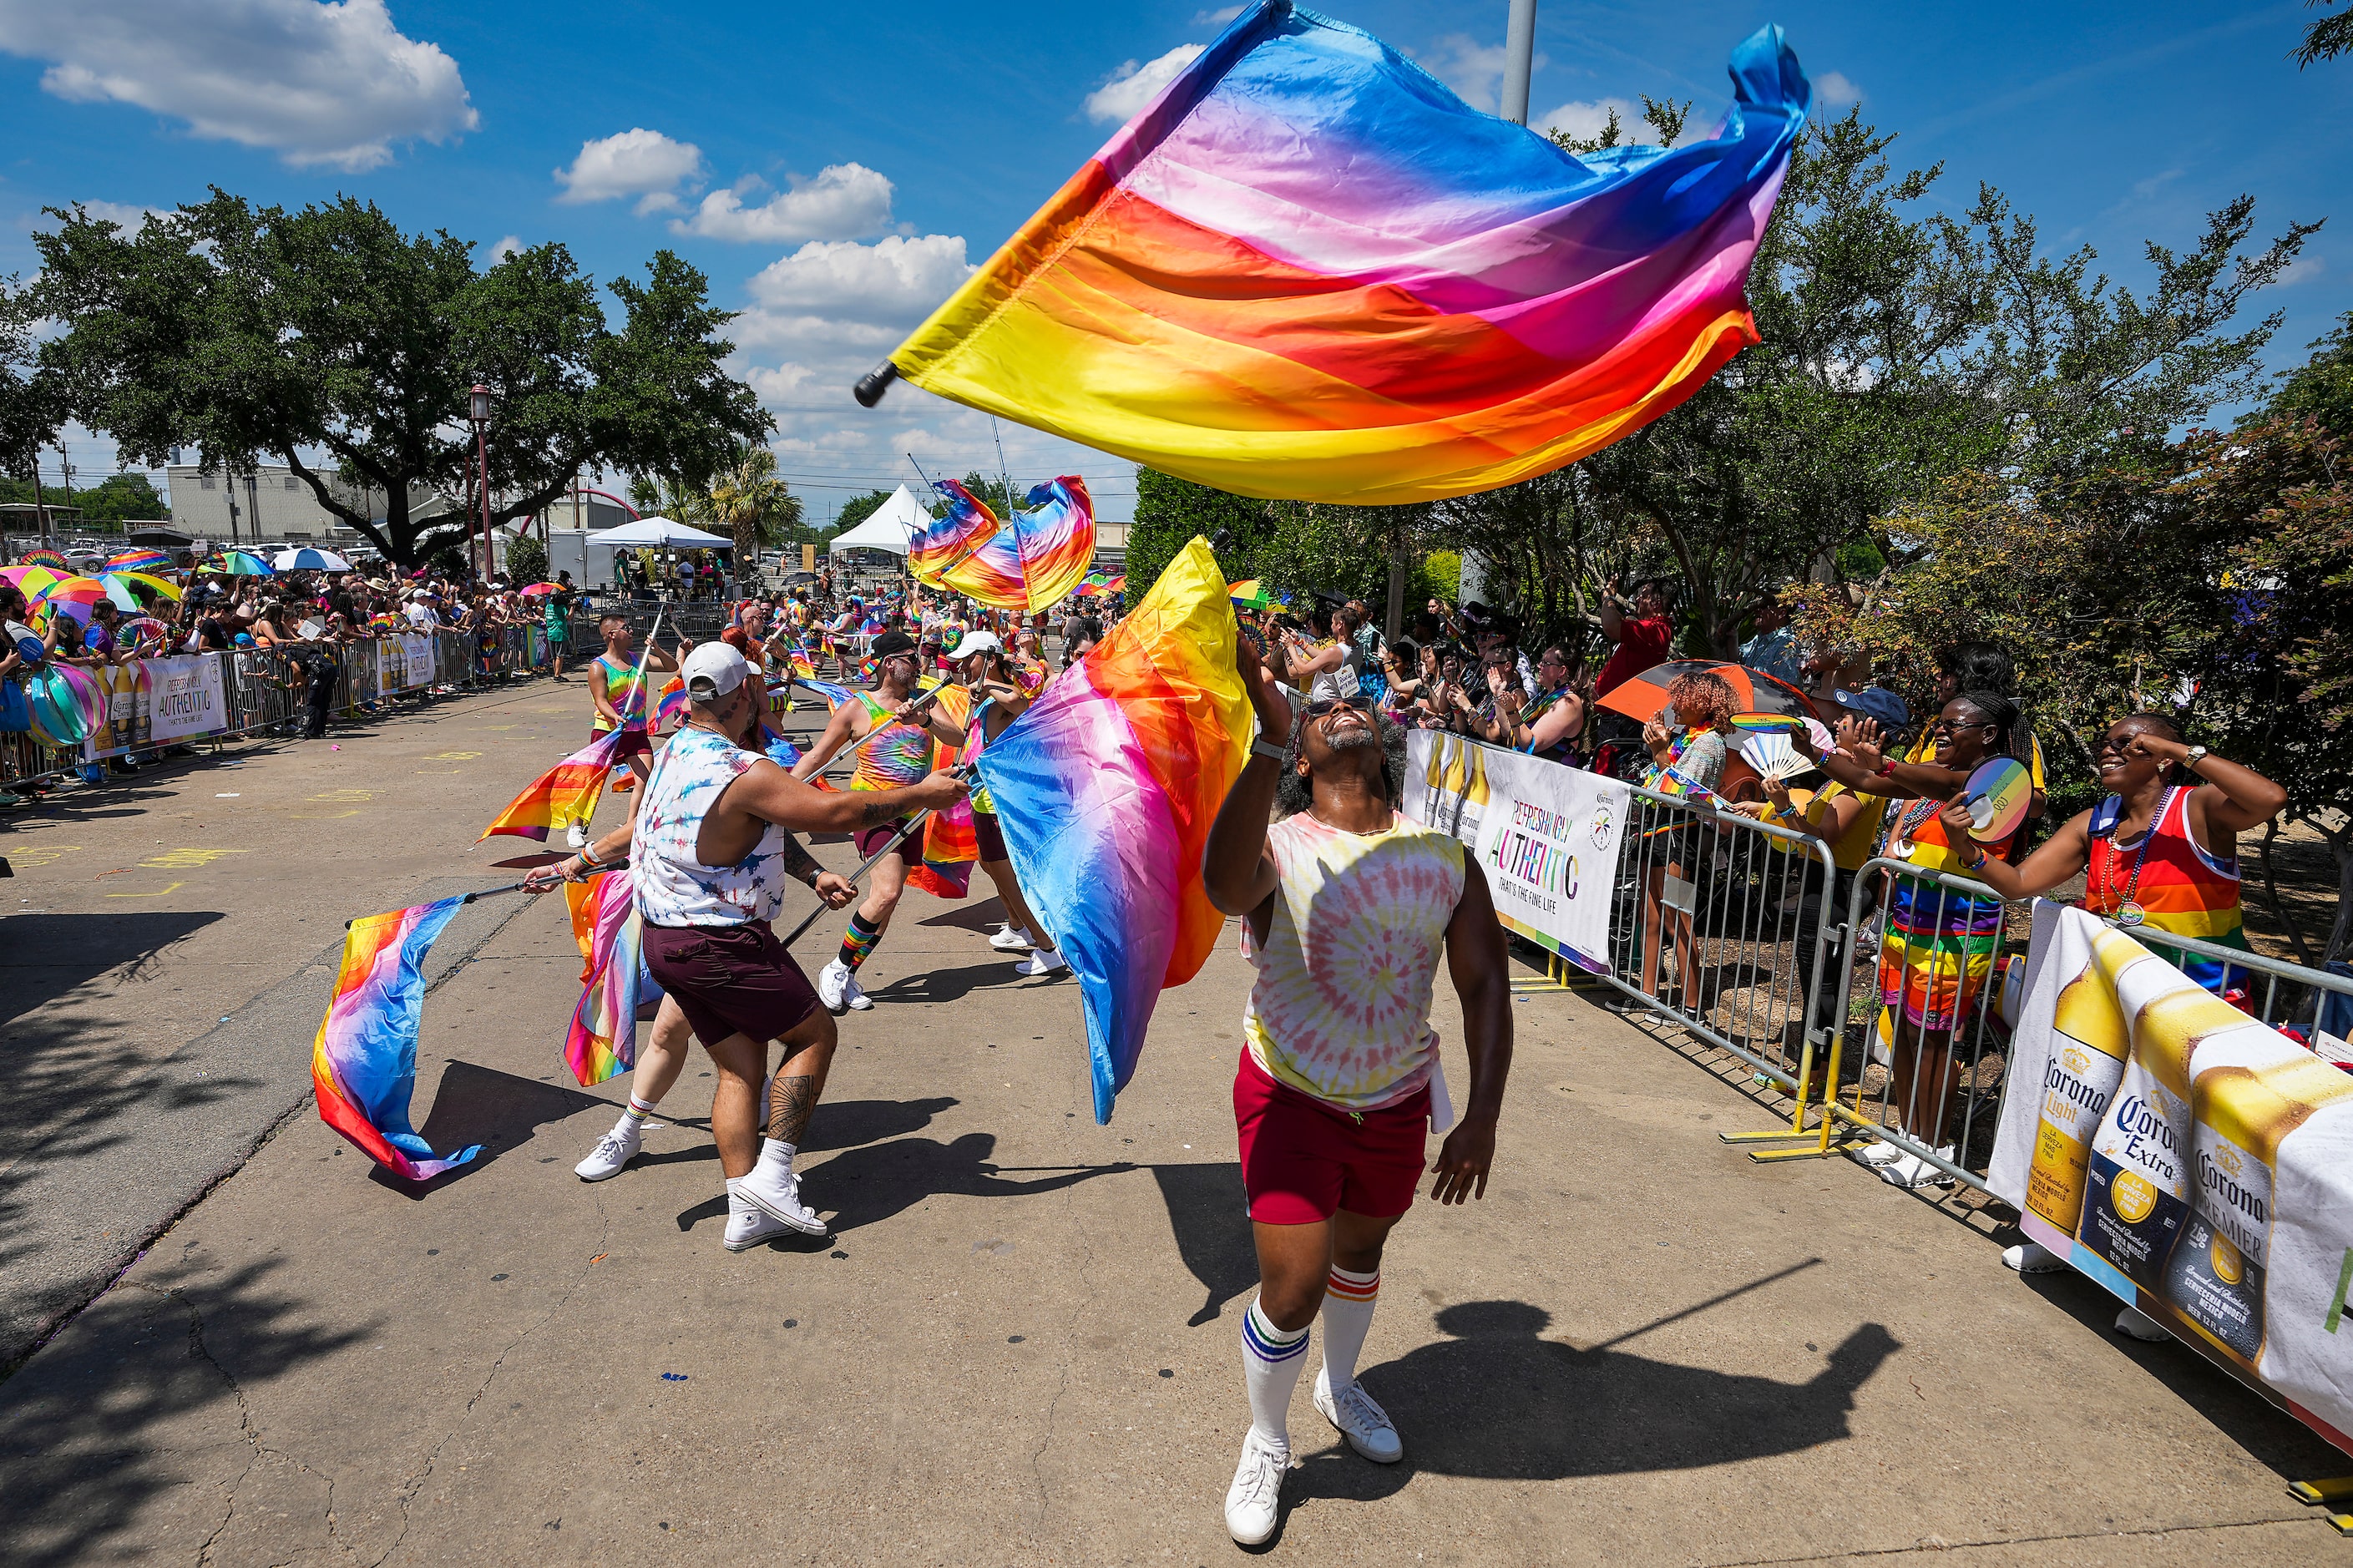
x=2231 y=1161
x=2076 y=1061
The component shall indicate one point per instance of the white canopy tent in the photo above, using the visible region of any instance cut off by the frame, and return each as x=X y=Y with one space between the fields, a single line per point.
x=657 y=531
x=886 y=529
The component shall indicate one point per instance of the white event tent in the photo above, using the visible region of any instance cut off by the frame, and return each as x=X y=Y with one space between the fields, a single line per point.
x=657 y=531
x=886 y=529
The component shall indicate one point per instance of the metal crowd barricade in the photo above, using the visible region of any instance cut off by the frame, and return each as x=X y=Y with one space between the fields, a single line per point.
x=1724 y=897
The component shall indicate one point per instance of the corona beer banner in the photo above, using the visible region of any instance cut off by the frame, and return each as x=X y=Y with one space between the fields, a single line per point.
x=2196 y=1162
x=1547 y=836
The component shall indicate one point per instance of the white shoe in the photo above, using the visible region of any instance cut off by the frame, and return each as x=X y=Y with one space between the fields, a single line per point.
x=576 y=835
x=1912 y=1171
x=832 y=981
x=778 y=1194
x=2137 y=1324
x=613 y=1151
x=1881 y=1152
x=748 y=1224
x=1011 y=939
x=1357 y=1417
x=853 y=995
x=2032 y=1258
x=1044 y=961
x=1252 y=1502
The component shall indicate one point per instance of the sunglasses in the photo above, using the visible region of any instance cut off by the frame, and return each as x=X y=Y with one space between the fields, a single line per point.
x=1941 y=727
x=1330 y=705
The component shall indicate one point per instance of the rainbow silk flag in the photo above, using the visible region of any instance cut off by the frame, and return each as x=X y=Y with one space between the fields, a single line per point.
x=603 y=1038
x=567 y=793
x=1028 y=563
x=1307 y=270
x=946 y=542
x=1105 y=788
x=364 y=1063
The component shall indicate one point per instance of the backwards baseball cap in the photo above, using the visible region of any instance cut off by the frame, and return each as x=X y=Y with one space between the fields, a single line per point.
x=713 y=670
x=1876 y=702
x=976 y=642
x=891 y=643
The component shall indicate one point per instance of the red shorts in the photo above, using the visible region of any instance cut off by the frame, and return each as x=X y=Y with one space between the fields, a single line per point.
x=986 y=839
x=871 y=839
x=730 y=980
x=1304 y=1160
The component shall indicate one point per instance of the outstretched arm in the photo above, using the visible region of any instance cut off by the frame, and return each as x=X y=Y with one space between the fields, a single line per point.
x=1236 y=872
x=770 y=794
x=2062 y=855
x=839 y=731
x=1475 y=960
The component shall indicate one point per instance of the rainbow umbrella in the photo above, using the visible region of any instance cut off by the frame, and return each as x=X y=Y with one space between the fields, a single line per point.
x=140 y=561
x=244 y=563
x=1250 y=593
x=44 y=585
x=117 y=588
x=42 y=555
x=539 y=590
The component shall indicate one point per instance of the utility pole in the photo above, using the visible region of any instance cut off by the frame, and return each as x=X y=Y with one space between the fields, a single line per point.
x=1519 y=60
x=65 y=468
x=253 y=501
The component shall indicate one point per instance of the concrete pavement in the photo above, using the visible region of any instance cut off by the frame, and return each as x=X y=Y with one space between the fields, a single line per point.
x=1019 y=1346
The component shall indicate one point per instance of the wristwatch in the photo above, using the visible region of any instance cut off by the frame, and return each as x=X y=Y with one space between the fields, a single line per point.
x=2196 y=755
x=1269 y=750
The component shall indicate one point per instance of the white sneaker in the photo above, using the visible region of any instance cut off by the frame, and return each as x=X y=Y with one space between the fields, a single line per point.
x=1912 y=1171
x=779 y=1195
x=2032 y=1258
x=1357 y=1417
x=1252 y=1502
x=1044 y=961
x=832 y=981
x=613 y=1151
x=748 y=1224
x=853 y=995
x=1011 y=939
x=2137 y=1324
x=1881 y=1152
x=576 y=835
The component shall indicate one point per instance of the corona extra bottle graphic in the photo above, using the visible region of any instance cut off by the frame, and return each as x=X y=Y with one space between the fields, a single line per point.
x=2215 y=1278
x=2137 y=1191
x=2077 y=1083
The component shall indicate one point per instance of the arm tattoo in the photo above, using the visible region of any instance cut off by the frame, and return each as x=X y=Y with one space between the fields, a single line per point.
x=797 y=860
x=879 y=810
x=791 y=1098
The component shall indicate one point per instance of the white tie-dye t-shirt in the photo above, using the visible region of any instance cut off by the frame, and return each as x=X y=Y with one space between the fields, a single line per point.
x=1341 y=1005
x=673 y=887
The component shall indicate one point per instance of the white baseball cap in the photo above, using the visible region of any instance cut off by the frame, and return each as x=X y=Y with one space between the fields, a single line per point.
x=713 y=670
x=976 y=642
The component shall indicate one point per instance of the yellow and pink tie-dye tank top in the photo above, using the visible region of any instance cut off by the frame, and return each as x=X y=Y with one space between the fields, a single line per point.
x=1340 y=1009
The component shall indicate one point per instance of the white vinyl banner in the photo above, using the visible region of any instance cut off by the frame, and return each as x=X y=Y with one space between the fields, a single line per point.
x=1547 y=836
x=418 y=651
x=185 y=697
x=2192 y=1159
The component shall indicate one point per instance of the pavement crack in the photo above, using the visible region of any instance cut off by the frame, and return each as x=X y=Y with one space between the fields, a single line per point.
x=1080 y=1314
x=1937 y=1545
x=415 y=1482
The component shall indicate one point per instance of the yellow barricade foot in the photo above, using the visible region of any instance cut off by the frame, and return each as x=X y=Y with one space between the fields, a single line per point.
x=2336 y=1489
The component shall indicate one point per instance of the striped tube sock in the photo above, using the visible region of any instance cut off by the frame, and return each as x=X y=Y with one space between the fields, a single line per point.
x=1348 y=1303
x=640 y=1109
x=857 y=941
x=1271 y=1362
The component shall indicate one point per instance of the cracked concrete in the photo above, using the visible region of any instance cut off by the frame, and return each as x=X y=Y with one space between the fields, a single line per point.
x=1019 y=1346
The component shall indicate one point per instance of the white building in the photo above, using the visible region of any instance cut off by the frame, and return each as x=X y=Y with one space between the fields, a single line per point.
x=272 y=505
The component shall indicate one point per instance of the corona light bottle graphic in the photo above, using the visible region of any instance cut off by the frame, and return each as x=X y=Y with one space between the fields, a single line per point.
x=2137 y=1188
x=2078 y=1085
x=1474 y=796
x=2215 y=1278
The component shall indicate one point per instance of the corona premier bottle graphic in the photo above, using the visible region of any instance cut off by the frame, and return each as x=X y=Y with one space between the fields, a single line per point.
x=2077 y=1083
x=2137 y=1191
x=2215 y=1278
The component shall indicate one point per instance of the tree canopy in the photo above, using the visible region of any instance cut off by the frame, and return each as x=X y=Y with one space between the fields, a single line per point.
x=253 y=331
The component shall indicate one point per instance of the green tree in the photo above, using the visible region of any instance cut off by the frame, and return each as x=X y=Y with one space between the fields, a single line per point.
x=527 y=559
x=2327 y=39
x=753 y=505
x=247 y=332
x=32 y=398
x=858 y=508
x=2321 y=388
x=1297 y=548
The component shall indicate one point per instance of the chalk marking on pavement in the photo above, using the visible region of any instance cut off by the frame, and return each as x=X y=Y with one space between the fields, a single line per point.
x=321 y=815
x=41 y=855
x=359 y=794
x=450 y=757
x=188 y=859
x=158 y=893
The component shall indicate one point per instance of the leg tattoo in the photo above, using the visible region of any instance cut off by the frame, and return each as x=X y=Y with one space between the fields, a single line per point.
x=791 y=1099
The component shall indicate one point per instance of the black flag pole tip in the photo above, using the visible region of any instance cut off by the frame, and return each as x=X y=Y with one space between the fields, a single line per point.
x=874 y=384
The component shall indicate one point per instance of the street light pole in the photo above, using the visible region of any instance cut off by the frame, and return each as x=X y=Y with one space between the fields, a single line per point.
x=479 y=410
x=1519 y=60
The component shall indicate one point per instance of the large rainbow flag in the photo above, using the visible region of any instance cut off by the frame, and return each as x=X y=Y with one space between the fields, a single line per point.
x=364 y=1063
x=1307 y=270
x=1027 y=563
x=1105 y=788
x=567 y=793
x=603 y=1038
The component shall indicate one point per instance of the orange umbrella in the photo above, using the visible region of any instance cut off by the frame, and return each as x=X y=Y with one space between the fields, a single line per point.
x=1753 y=692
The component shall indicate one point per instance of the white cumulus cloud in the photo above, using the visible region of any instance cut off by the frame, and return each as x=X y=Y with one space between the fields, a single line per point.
x=130 y=218
x=842 y=202
x=316 y=83
x=1474 y=69
x=1587 y=120
x=1833 y=89
x=637 y=162
x=508 y=245
x=1132 y=86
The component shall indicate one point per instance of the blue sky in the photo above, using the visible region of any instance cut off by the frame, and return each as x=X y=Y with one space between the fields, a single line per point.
x=834 y=169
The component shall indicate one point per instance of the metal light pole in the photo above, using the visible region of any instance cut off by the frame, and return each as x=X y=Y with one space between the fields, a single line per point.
x=479 y=411
x=1519 y=60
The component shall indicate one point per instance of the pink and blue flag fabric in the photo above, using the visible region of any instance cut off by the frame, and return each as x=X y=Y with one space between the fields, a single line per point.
x=603 y=1038
x=364 y=1063
x=1105 y=788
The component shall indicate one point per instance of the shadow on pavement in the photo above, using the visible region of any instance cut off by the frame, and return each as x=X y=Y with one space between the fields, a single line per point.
x=1496 y=1402
x=866 y=1185
x=1209 y=1213
x=139 y=1408
x=496 y=1109
x=940 y=986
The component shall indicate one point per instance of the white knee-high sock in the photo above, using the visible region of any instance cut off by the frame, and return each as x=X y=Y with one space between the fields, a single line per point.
x=1271 y=1361
x=1348 y=1303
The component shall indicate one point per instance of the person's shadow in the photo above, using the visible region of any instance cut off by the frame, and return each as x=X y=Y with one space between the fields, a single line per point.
x=1496 y=1402
x=867 y=1185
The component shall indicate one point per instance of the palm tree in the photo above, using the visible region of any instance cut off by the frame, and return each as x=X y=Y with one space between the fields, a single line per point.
x=748 y=501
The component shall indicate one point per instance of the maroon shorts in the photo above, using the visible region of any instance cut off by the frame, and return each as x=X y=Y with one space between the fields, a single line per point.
x=871 y=839
x=1304 y=1160
x=730 y=979
x=985 y=835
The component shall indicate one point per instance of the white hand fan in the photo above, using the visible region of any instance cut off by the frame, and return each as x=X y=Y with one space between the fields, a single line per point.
x=1774 y=758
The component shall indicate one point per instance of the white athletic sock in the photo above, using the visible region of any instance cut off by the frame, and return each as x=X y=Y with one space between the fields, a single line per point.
x=1271 y=1362
x=640 y=1107
x=777 y=1155
x=1348 y=1303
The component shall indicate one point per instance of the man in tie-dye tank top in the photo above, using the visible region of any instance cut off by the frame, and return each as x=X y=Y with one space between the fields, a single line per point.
x=1347 y=908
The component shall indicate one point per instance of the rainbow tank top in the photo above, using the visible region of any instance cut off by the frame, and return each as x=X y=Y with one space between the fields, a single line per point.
x=2179 y=887
x=899 y=755
x=618 y=685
